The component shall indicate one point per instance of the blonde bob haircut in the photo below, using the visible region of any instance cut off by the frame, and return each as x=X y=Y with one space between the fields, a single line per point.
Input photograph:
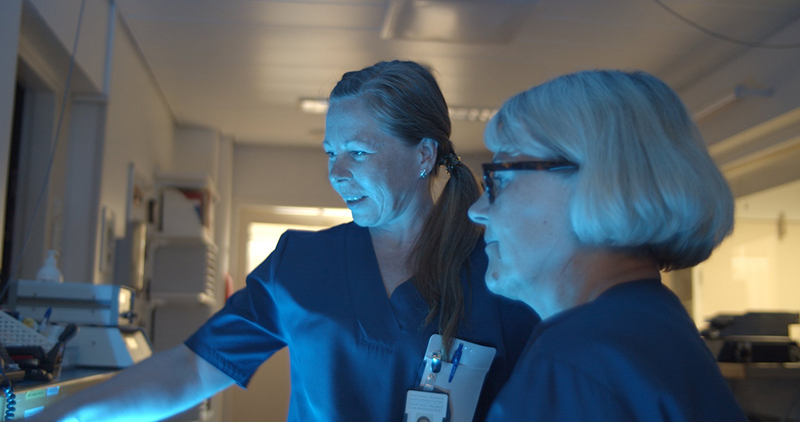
x=646 y=182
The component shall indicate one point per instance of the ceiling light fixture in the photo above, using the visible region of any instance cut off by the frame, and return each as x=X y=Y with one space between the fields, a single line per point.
x=467 y=114
x=739 y=92
x=314 y=105
x=472 y=114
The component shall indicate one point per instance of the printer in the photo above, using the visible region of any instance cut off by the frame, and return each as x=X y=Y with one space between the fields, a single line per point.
x=103 y=313
x=752 y=337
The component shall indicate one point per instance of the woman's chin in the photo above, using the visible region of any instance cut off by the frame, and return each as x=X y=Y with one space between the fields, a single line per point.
x=494 y=283
x=363 y=220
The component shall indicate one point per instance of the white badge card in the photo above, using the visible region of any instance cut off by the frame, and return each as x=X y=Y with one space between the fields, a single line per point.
x=426 y=406
x=460 y=375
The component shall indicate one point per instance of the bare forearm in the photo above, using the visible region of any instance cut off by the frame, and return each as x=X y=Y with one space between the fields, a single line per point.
x=163 y=385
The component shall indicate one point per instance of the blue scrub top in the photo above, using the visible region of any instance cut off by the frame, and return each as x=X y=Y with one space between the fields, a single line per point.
x=633 y=354
x=354 y=351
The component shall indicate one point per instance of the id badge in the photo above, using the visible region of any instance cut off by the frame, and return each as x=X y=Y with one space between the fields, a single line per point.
x=426 y=406
x=460 y=375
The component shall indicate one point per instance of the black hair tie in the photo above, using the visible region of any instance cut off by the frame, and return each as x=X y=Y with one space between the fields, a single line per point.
x=450 y=161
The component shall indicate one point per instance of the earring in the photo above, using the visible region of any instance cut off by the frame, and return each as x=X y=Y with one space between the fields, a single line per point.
x=423 y=174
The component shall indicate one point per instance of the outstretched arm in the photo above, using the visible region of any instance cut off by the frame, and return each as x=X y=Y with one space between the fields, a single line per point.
x=162 y=385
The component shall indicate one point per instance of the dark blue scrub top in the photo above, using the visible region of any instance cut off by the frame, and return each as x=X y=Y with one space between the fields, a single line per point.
x=354 y=351
x=633 y=354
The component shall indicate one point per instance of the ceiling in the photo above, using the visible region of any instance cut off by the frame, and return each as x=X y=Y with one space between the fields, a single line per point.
x=242 y=66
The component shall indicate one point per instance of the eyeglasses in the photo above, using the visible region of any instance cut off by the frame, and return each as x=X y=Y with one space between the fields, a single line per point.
x=490 y=168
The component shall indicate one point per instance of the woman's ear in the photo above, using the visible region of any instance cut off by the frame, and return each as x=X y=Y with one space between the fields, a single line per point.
x=427 y=148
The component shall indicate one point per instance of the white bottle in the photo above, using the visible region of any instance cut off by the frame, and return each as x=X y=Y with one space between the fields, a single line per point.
x=49 y=271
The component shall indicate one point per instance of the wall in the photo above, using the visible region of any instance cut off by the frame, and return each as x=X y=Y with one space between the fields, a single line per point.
x=753 y=270
x=39 y=199
x=9 y=36
x=139 y=126
x=756 y=268
x=197 y=149
x=282 y=176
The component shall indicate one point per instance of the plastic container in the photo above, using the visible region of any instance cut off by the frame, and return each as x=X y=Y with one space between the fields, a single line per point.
x=50 y=271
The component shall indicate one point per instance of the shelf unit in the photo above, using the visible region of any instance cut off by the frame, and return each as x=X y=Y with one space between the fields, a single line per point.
x=182 y=266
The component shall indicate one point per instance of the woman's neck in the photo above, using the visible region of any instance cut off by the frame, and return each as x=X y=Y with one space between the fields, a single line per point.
x=393 y=246
x=589 y=275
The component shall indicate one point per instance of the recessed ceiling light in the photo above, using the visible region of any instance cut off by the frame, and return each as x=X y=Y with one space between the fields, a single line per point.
x=472 y=114
x=314 y=105
x=469 y=114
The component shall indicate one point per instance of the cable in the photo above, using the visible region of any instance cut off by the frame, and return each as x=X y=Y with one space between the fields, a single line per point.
x=723 y=37
x=11 y=398
x=16 y=265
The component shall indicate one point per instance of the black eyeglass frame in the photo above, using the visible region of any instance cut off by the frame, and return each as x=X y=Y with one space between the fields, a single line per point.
x=490 y=168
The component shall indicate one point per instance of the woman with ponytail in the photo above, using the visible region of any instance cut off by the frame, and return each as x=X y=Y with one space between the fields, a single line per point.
x=357 y=304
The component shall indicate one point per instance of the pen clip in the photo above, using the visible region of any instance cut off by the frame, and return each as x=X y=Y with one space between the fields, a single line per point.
x=456 y=360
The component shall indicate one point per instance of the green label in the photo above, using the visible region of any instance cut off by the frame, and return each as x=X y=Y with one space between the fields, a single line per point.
x=35 y=394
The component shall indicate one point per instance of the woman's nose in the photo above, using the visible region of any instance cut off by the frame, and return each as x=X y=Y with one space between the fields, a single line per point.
x=477 y=212
x=338 y=170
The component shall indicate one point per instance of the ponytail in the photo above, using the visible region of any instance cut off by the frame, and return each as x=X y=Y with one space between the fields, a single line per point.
x=447 y=239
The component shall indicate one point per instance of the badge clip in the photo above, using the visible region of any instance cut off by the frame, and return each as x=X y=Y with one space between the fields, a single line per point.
x=436 y=362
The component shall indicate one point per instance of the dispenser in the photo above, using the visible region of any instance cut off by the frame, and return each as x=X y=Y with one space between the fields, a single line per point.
x=50 y=271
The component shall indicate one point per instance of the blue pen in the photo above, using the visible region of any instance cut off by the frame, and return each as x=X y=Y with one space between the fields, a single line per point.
x=456 y=359
x=43 y=324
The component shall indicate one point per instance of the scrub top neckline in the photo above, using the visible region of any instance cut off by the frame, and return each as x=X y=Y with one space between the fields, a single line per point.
x=382 y=317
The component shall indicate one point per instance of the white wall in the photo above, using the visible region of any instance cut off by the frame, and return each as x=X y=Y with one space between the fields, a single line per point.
x=139 y=127
x=36 y=211
x=77 y=261
x=753 y=270
x=197 y=149
x=756 y=268
x=282 y=176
